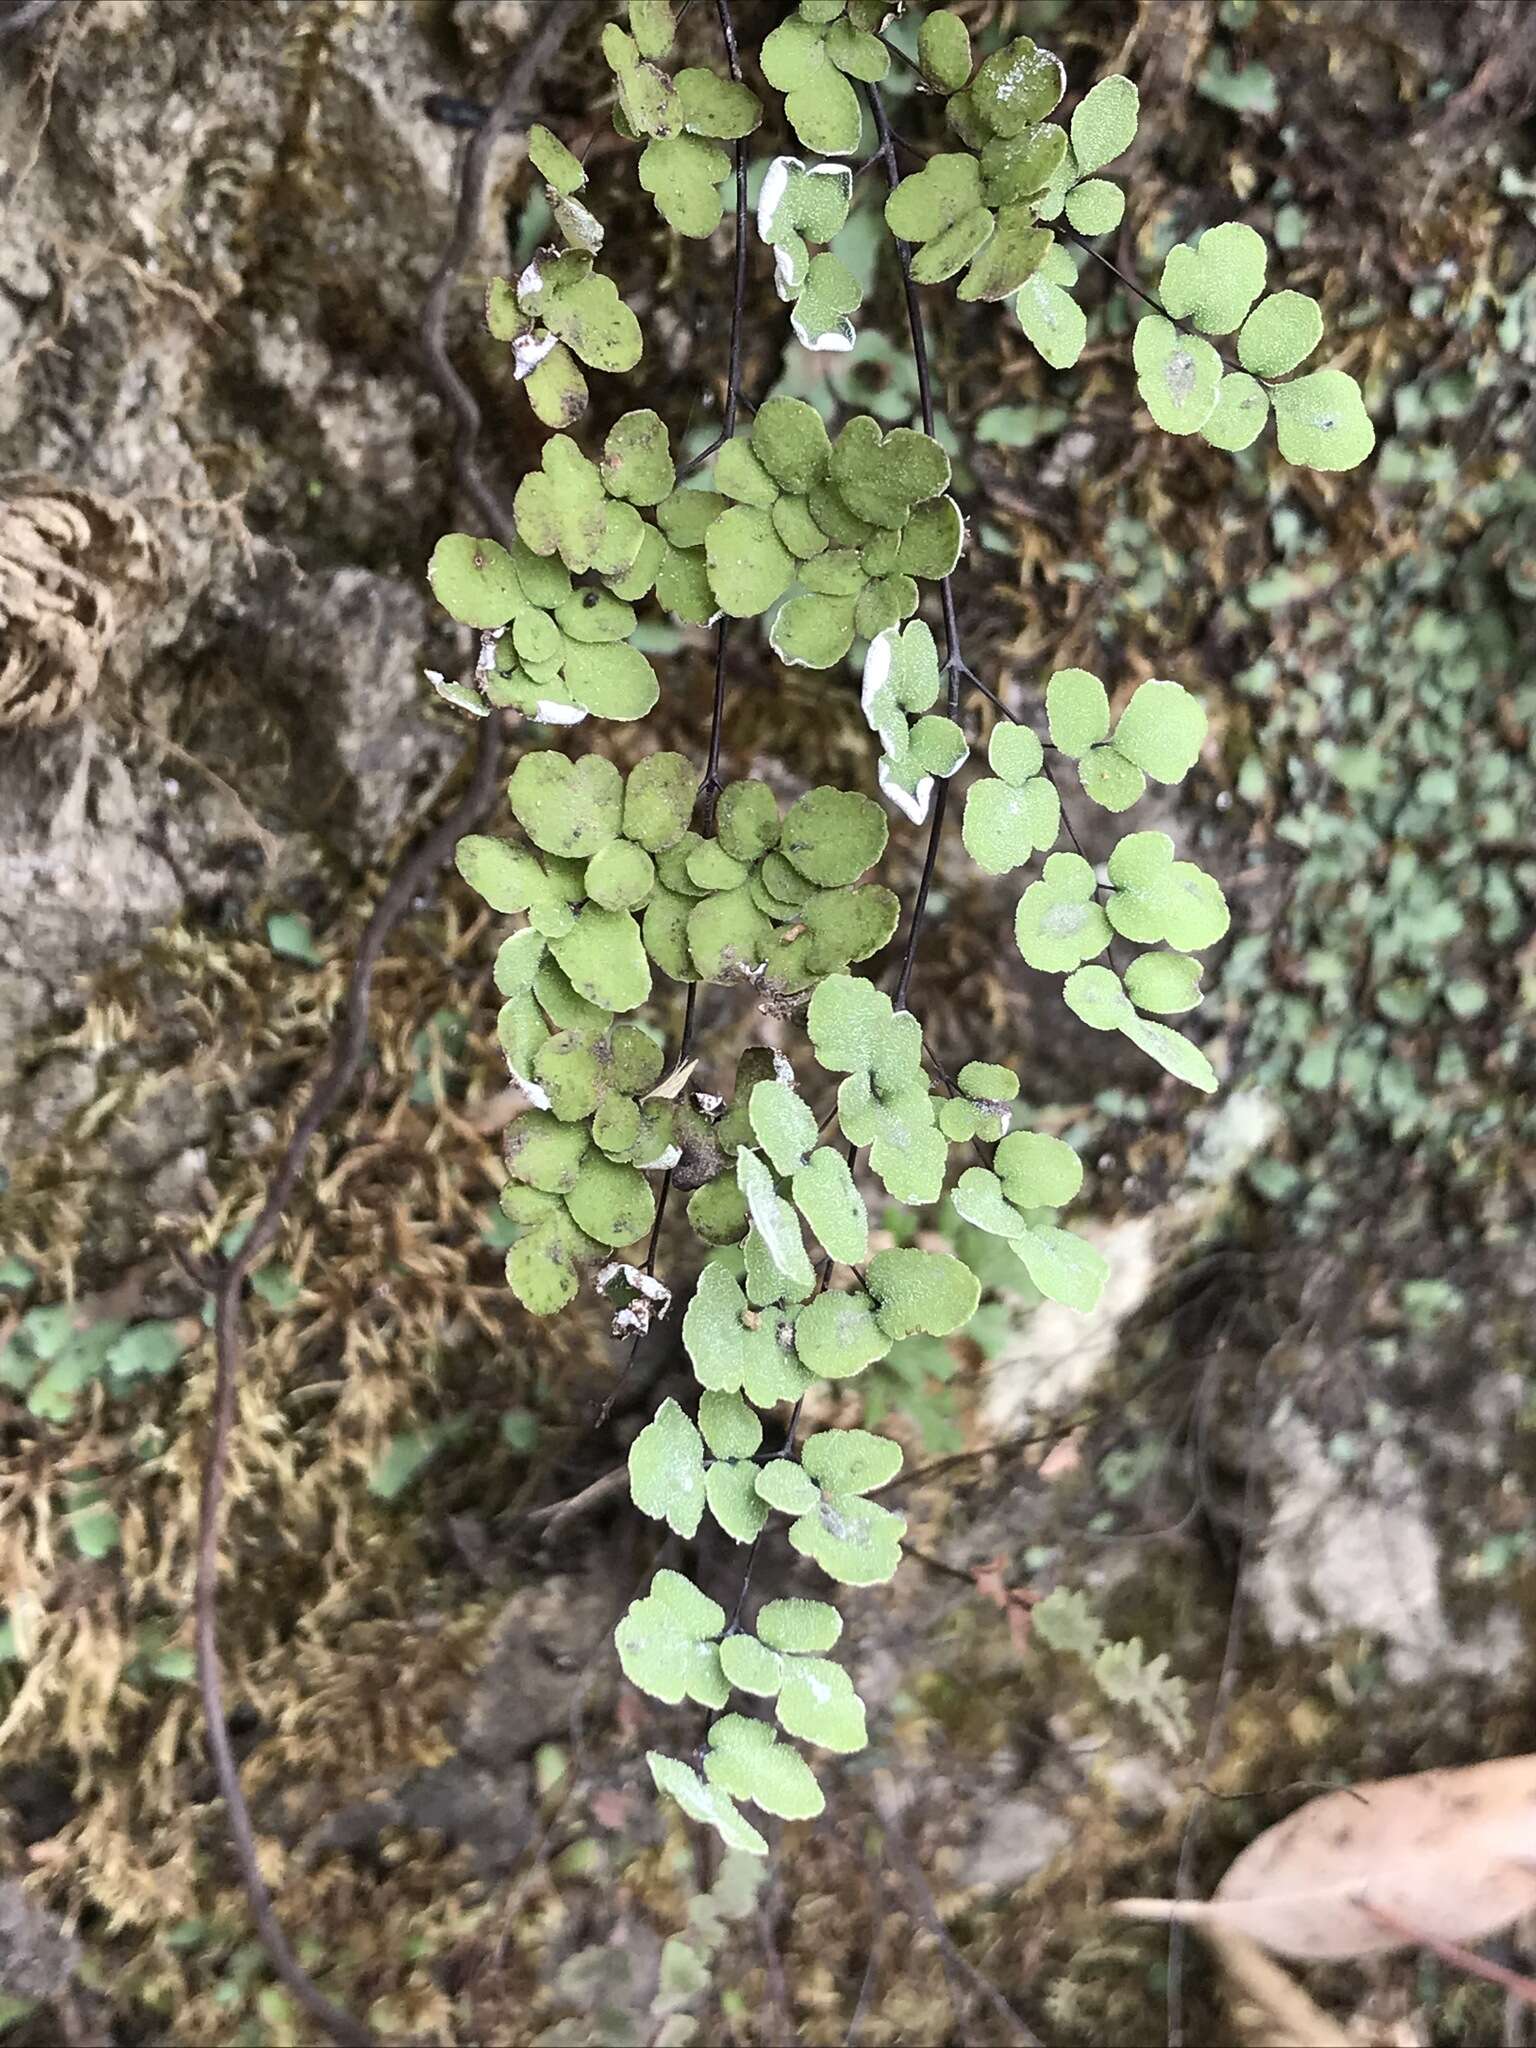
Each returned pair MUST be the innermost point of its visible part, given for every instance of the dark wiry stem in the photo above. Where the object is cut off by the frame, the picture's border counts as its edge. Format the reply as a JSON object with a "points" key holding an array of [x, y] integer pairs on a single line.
{"points": [[732, 405], [954, 661]]}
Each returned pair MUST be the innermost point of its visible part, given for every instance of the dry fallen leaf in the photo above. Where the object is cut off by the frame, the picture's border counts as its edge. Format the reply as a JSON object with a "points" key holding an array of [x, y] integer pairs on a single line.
{"points": [[1444, 1856]]}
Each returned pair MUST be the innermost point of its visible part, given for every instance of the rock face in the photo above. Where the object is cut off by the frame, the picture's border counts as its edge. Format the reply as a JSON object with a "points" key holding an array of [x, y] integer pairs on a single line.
{"points": [[224, 467]]}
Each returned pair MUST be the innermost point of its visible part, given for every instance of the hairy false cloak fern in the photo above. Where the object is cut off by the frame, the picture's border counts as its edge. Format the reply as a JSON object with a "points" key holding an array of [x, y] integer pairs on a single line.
{"points": [[837, 540]]}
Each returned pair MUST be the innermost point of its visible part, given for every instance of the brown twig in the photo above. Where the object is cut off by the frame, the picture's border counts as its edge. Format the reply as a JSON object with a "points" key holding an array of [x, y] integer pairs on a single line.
{"points": [[414, 871], [957, 1965], [1453, 1952], [349, 1046]]}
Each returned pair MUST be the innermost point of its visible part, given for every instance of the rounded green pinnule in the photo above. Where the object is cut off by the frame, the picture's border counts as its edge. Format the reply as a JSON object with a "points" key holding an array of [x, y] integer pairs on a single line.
{"points": [[749, 566], [520, 1031], [683, 174], [715, 106], [651, 24], [659, 796], [566, 1068], [664, 933], [1113, 782], [789, 438], [747, 1760], [929, 202], [1162, 730], [1279, 334], [621, 876], [884, 603], [554, 162], [1012, 256], [616, 1125], [820, 104], [1077, 710], [1321, 421], [828, 295], [545, 1153], [717, 1212], [984, 1081], [850, 1460], [666, 1460], [731, 1490], [1014, 753], [932, 1293], [611, 1202], [730, 1428], [637, 459], [747, 820], [474, 580], [944, 51], [556, 390], [1178, 375], [1017, 86], [544, 1265], [672, 865], [931, 540], [634, 1059], [856, 52], [565, 1009], [785, 1486], [1064, 1266], [818, 1704], [1104, 125], [506, 875], [605, 958], [741, 477], [639, 579], [827, 1196], [728, 936], [881, 477], [1003, 825], [750, 1665], [814, 631], [831, 836], [571, 808], [1096, 207], [595, 618], [612, 681], [1158, 898], [1052, 319], [686, 516], [1058, 924], [842, 925], [1016, 168], [1240, 414], [536, 637], [518, 959], [799, 1627], [1038, 1171], [783, 1124], [836, 1335], [960, 1121], [797, 529], [711, 868], [1215, 282], [708, 1804], [1094, 994], [980, 1197], [1167, 983]]}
